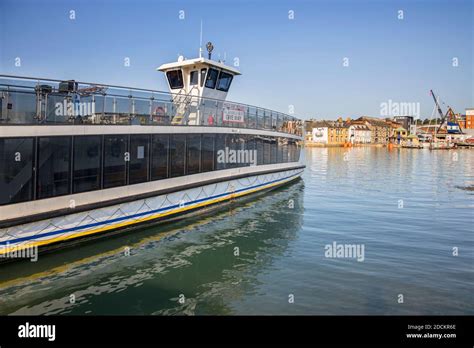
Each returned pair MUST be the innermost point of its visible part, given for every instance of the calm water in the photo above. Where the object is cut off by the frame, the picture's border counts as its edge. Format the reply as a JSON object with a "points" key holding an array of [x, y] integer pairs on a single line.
{"points": [[408, 208]]}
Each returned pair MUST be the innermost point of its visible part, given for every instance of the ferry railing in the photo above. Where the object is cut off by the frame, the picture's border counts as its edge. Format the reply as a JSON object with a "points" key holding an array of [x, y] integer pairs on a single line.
{"points": [[33, 101]]}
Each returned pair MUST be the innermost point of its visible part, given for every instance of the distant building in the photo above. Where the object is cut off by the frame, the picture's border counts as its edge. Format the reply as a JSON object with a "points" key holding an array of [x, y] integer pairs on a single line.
{"points": [[327, 132], [469, 119], [380, 130], [359, 133], [338, 132], [405, 121], [320, 132], [308, 127]]}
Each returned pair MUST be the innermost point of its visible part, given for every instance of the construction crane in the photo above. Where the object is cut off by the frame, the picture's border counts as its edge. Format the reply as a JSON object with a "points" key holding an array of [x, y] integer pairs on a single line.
{"points": [[445, 118]]}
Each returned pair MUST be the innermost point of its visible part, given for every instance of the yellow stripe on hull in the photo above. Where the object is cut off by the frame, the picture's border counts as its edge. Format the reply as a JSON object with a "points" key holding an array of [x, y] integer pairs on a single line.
{"points": [[17, 248]]}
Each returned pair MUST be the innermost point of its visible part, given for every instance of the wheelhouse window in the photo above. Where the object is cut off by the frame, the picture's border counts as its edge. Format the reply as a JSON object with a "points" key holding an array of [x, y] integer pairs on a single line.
{"points": [[16, 169], [224, 81], [87, 163], [212, 78], [115, 165], [203, 76], [159, 159], [138, 166], [175, 79], [54, 160], [177, 154], [194, 78]]}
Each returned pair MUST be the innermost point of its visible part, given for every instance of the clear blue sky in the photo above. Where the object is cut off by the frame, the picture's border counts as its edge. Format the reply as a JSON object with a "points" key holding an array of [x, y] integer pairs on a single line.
{"points": [[284, 62]]}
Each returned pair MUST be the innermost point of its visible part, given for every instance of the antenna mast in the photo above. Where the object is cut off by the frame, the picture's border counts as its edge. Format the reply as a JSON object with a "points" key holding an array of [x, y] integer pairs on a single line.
{"points": [[200, 42]]}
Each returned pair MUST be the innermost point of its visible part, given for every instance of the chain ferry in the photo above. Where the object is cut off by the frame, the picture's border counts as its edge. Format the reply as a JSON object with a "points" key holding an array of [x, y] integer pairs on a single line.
{"points": [[81, 160]]}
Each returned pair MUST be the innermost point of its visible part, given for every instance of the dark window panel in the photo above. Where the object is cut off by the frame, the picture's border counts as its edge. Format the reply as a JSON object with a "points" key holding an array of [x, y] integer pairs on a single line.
{"points": [[175, 79], [203, 76], [266, 151], [193, 144], [293, 151], [207, 152], [193, 78], [231, 145], [297, 152], [273, 150], [138, 166], [211, 78], [260, 151], [251, 146], [241, 154], [220, 151], [224, 81], [87, 163], [280, 142], [284, 150], [115, 166], [177, 154], [53, 166], [159, 160], [16, 170]]}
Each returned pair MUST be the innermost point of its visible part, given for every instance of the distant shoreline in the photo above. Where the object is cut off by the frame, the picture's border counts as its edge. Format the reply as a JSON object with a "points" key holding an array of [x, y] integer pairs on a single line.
{"points": [[311, 144]]}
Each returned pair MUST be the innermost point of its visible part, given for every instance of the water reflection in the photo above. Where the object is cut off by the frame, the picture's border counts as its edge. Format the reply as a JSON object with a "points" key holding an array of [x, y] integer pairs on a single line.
{"points": [[209, 261]]}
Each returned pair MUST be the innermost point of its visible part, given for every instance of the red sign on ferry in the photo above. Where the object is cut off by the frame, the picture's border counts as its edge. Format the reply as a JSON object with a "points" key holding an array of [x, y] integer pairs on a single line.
{"points": [[233, 113]]}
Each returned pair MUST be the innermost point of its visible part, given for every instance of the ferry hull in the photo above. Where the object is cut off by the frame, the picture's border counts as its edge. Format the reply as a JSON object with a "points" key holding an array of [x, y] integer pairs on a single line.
{"points": [[57, 231]]}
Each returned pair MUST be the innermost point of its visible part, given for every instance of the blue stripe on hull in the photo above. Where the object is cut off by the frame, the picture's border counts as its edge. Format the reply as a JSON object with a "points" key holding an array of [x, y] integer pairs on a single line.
{"points": [[22, 239]]}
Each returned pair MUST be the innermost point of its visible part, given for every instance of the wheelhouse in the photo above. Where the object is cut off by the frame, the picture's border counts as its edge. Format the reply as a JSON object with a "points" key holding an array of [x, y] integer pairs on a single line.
{"points": [[199, 78]]}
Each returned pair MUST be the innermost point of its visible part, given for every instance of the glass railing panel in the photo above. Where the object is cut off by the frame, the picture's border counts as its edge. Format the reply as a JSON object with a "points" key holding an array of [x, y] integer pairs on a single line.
{"points": [[260, 118], [140, 111], [266, 119], [19, 108], [161, 112], [100, 104]]}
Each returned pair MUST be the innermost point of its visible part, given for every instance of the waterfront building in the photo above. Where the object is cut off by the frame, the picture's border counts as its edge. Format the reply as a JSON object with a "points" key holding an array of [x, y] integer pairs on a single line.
{"points": [[320, 132], [469, 119], [404, 121], [338, 132], [359, 133], [380, 130], [308, 128]]}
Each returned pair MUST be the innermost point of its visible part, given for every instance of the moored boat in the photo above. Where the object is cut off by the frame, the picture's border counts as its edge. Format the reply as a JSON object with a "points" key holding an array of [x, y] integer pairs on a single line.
{"points": [[442, 145], [81, 159]]}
